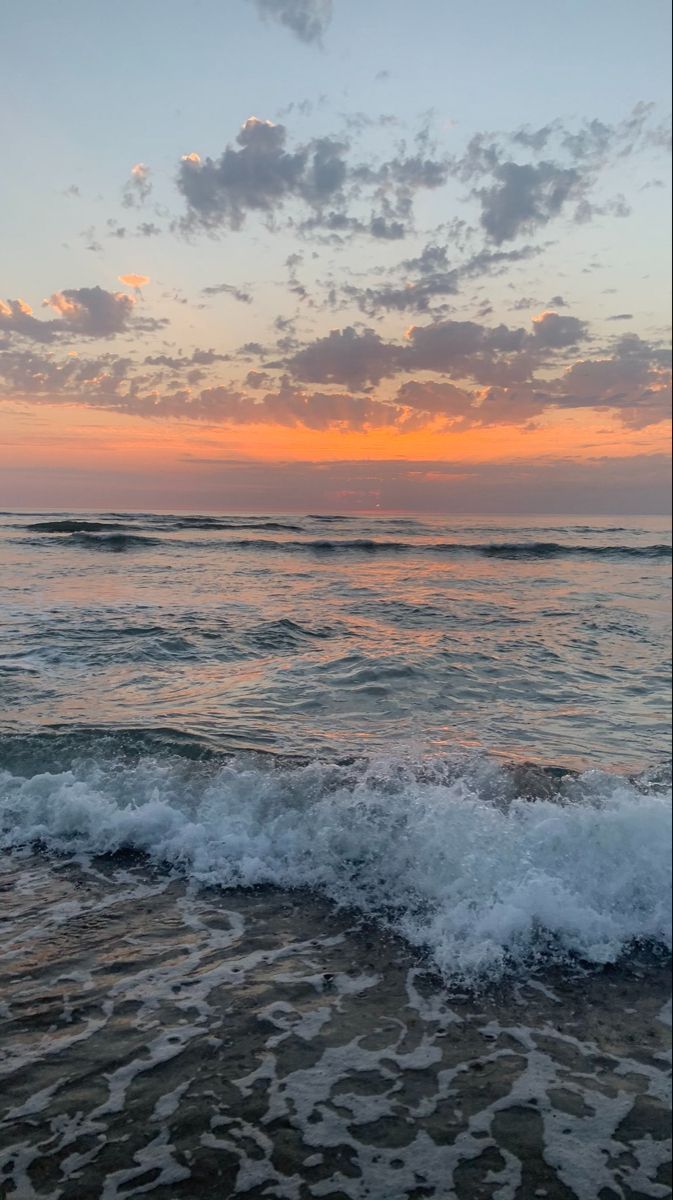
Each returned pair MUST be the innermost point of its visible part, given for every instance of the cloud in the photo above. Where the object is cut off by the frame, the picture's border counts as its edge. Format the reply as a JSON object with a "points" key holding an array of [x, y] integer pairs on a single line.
{"points": [[227, 289], [40, 375], [468, 350], [454, 375], [524, 197], [421, 284], [17, 317], [307, 19], [295, 407], [635, 381], [460, 349], [438, 398], [82, 312], [347, 357], [138, 187], [199, 358], [261, 174], [424, 279], [134, 281], [555, 331], [92, 312], [520, 197], [632, 381]]}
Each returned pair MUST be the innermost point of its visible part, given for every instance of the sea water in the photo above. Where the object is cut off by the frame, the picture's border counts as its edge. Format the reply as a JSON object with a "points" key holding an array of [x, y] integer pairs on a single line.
{"points": [[336, 854]]}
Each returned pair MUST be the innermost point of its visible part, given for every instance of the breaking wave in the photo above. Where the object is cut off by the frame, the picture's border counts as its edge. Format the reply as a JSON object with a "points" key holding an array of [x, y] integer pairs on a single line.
{"points": [[478, 870]]}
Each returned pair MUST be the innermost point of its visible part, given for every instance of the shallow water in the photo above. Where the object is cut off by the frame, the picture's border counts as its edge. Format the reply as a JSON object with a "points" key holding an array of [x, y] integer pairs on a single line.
{"points": [[336, 856], [183, 1043]]}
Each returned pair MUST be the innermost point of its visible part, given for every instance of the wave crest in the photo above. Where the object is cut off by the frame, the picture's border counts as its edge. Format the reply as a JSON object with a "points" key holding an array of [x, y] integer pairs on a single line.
{"points": [[459, 862]]}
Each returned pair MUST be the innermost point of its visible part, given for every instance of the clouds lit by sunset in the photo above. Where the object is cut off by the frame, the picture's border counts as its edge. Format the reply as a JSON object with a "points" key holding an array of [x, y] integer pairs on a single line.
{"points": [[417, 277]]}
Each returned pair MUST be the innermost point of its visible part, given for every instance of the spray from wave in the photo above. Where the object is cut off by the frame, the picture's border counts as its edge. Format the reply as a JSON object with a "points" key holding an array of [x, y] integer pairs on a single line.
{"points": [[458, 861]]}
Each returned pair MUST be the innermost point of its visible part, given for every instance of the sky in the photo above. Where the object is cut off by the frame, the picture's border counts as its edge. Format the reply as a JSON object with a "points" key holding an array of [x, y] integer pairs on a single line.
{"points": [[322, 255]]}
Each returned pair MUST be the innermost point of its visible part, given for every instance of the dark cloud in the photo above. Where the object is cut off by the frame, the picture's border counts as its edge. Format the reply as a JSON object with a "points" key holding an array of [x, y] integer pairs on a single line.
{"points": [[261, 174], [38, 374], [466, 374], [437, 398], [138, 187], [307, 19], [620, 317], [461, 349], [635, 381], [227, 289], [82, 312], [93, 312], [519, 197], [347, 357], [496, 262], [201, 358], [390, 231], [421, 284], [525, 197], [414, 296], [17, 317], [468, 350], [555, 331]]}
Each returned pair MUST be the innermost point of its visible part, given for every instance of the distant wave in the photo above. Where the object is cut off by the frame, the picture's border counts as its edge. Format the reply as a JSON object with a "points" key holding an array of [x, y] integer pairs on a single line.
{"points": [[509, 550], [75, 525], [109, 536], [215, 523], [462, 861], [115, 543]]}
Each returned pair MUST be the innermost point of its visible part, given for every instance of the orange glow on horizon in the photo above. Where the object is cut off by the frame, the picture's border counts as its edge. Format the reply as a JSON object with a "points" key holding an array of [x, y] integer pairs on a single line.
{"points": [[88, 438]]}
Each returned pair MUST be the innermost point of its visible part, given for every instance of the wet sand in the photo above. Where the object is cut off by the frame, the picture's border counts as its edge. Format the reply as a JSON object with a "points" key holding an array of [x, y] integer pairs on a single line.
{"points": [[167, 1041]]}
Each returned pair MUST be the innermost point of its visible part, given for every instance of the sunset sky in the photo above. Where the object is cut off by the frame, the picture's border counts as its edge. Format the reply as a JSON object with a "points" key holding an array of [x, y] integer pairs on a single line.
{"points": [[302, 255]]}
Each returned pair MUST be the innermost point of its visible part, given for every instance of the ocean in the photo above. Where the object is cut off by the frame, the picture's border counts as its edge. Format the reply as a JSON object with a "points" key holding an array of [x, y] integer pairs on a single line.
{"points": [[335, 856]]}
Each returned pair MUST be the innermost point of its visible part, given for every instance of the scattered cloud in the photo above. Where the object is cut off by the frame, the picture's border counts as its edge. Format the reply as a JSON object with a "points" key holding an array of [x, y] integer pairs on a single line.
{"points": [[90, 312], [261, 174], [345, 356], [138, 187], [227, 289], [555, 331], [307, 19], [324, 387], [519, 197]]}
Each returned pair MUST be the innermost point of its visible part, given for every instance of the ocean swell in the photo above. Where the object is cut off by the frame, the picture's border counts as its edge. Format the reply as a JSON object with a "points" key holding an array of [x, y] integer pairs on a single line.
{"points": [[506, 550], [480, 877]]}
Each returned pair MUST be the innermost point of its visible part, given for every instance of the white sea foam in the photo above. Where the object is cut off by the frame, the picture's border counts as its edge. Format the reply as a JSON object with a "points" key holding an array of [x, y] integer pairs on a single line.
{"points": [[479, 882]]}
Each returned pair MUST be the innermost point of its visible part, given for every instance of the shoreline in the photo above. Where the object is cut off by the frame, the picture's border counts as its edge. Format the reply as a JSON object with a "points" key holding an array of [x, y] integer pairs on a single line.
{"points": [[167, 1040]]}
